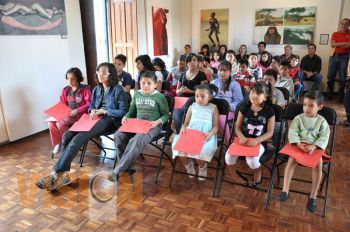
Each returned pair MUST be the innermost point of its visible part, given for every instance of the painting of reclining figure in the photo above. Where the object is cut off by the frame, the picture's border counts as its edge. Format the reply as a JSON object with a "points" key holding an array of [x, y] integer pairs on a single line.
{"points": [[32, 17]]}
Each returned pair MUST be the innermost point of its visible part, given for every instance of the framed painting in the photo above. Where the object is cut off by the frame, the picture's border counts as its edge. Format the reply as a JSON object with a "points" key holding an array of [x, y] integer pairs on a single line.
{"points": [[32, 17]]}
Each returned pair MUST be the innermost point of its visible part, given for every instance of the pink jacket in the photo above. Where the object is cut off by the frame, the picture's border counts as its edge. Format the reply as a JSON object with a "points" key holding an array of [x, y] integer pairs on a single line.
{"points": [[82, 97]]}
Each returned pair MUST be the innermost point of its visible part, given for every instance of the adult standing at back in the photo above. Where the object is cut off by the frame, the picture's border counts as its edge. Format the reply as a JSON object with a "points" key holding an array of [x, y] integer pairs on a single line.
{"points": [[310, 66], [338, 61]]}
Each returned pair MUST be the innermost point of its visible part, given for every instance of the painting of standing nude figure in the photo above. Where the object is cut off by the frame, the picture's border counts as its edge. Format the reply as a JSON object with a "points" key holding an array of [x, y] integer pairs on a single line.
{"points": [[214, 27], [32, 17], [160, 33]]}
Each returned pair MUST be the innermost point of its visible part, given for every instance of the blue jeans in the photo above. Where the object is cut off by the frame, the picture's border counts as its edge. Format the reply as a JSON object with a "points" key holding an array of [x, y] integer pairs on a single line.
{"points": [[72, 141], [337, 63], [347, 102], [297, 89], [178, 115], [316, 78]]}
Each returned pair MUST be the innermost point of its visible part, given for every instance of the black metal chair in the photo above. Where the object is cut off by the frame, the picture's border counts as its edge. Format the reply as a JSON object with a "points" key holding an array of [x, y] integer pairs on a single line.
{"points": [[272, 147], [165, 134], [224, 109], [108, 135], [291, 112], [285, 93]]}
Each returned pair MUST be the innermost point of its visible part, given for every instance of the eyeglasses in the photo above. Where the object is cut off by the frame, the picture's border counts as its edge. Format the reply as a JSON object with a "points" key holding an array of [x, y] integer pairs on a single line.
{"points": [[101, 74]]}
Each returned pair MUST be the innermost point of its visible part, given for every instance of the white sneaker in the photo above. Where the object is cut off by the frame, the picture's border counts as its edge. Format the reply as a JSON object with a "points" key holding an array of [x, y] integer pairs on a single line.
{"points": [[190, 168], [202, 172], [56, 149], [53, 175]]}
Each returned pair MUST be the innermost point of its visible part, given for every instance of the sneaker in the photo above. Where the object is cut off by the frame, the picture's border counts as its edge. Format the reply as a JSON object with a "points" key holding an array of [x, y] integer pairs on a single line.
{"points": [[190, 168], [113, 177], [283, 196], [347, 123], [56, 149], [63, 179], [311, 205], [202, 172], [44, 182], [256, 185]]}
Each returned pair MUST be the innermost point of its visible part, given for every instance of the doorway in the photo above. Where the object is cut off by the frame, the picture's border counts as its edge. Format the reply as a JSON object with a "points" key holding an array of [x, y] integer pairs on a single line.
{"points": [[122, 31]]}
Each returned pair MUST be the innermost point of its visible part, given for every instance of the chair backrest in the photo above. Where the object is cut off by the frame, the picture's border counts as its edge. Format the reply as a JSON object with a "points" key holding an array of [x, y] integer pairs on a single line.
{"points": [[293, 110], [171, 102], [222, 105], [285, 93], [280, 128]]}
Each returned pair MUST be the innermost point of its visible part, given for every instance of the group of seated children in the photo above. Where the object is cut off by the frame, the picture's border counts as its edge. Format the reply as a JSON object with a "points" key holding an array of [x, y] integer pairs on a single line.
{"points": [[256, 65], [254, 125]]}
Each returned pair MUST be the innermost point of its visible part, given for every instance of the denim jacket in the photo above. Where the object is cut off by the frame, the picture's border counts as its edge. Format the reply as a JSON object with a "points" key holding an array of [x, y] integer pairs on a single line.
{"points": [[116, 100]]}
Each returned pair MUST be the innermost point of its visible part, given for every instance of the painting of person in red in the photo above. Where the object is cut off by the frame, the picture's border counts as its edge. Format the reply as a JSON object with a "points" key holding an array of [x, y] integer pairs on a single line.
{"points": [[160, 34]]}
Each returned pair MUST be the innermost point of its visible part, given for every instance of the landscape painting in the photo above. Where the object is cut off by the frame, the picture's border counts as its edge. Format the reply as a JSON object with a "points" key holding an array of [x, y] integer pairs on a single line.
{"points": [[269, 17], [295, 25], [299, 16], [298, 35]]}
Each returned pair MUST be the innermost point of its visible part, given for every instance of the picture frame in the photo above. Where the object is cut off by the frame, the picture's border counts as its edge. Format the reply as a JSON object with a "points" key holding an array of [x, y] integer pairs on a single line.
{"points": [[324, 39]]}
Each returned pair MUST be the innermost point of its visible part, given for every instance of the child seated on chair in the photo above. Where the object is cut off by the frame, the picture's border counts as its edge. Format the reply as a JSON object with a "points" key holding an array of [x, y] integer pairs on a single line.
{"points": [[295, 74], [125, 78], [284, 80], [176, 73], [147, 104], [254, 125], [308, 131], [202, 116], [243, 77]]}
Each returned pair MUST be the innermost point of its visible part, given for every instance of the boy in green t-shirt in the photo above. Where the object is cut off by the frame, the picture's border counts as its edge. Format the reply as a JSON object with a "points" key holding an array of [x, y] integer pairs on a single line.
{"points": [[308, 131], [147, 104]]}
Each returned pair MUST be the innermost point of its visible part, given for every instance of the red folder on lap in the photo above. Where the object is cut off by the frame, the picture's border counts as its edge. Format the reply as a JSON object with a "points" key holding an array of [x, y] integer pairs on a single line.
{"points": [[85, 123], [135, 125], [302, 157], [58, 111], [180, 102], [191, 142], [237, 149]]}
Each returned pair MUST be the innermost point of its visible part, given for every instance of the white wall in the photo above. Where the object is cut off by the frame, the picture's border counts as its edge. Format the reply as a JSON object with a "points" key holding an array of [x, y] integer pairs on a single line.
{"points": [[3, 130], [32, 73], [346, 9], [241, 23], [178, 27]]}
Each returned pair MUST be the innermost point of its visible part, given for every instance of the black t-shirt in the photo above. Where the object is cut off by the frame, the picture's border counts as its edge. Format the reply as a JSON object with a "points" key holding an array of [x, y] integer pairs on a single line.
{"points": [[191, 84], [255, 126], [125, 78]]}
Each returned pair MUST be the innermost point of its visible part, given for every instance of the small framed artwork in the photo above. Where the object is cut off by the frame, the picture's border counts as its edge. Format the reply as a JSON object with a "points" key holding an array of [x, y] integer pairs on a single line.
{"points": [[324, 39]]}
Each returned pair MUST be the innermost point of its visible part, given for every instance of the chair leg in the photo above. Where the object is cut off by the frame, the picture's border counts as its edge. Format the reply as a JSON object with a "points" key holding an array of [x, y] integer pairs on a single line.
{"points": [[216, 180], [82, 156], [172, 173], [322, 182], [326, 190], [270, 189], [220, 180], [104, 156], [116, 160], [160, 161]]}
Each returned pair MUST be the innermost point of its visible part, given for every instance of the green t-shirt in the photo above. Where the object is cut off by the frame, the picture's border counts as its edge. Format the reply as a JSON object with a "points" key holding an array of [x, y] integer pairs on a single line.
{"points": [[310, 130], [149, 107]]}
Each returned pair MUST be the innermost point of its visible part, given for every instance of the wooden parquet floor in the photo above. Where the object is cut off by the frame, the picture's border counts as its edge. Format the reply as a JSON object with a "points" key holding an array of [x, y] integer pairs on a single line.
{"points": [[145, 206]]}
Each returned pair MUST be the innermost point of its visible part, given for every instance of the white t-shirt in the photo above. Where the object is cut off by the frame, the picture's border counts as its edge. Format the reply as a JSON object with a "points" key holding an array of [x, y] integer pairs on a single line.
{"points": [[256, 72]]}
